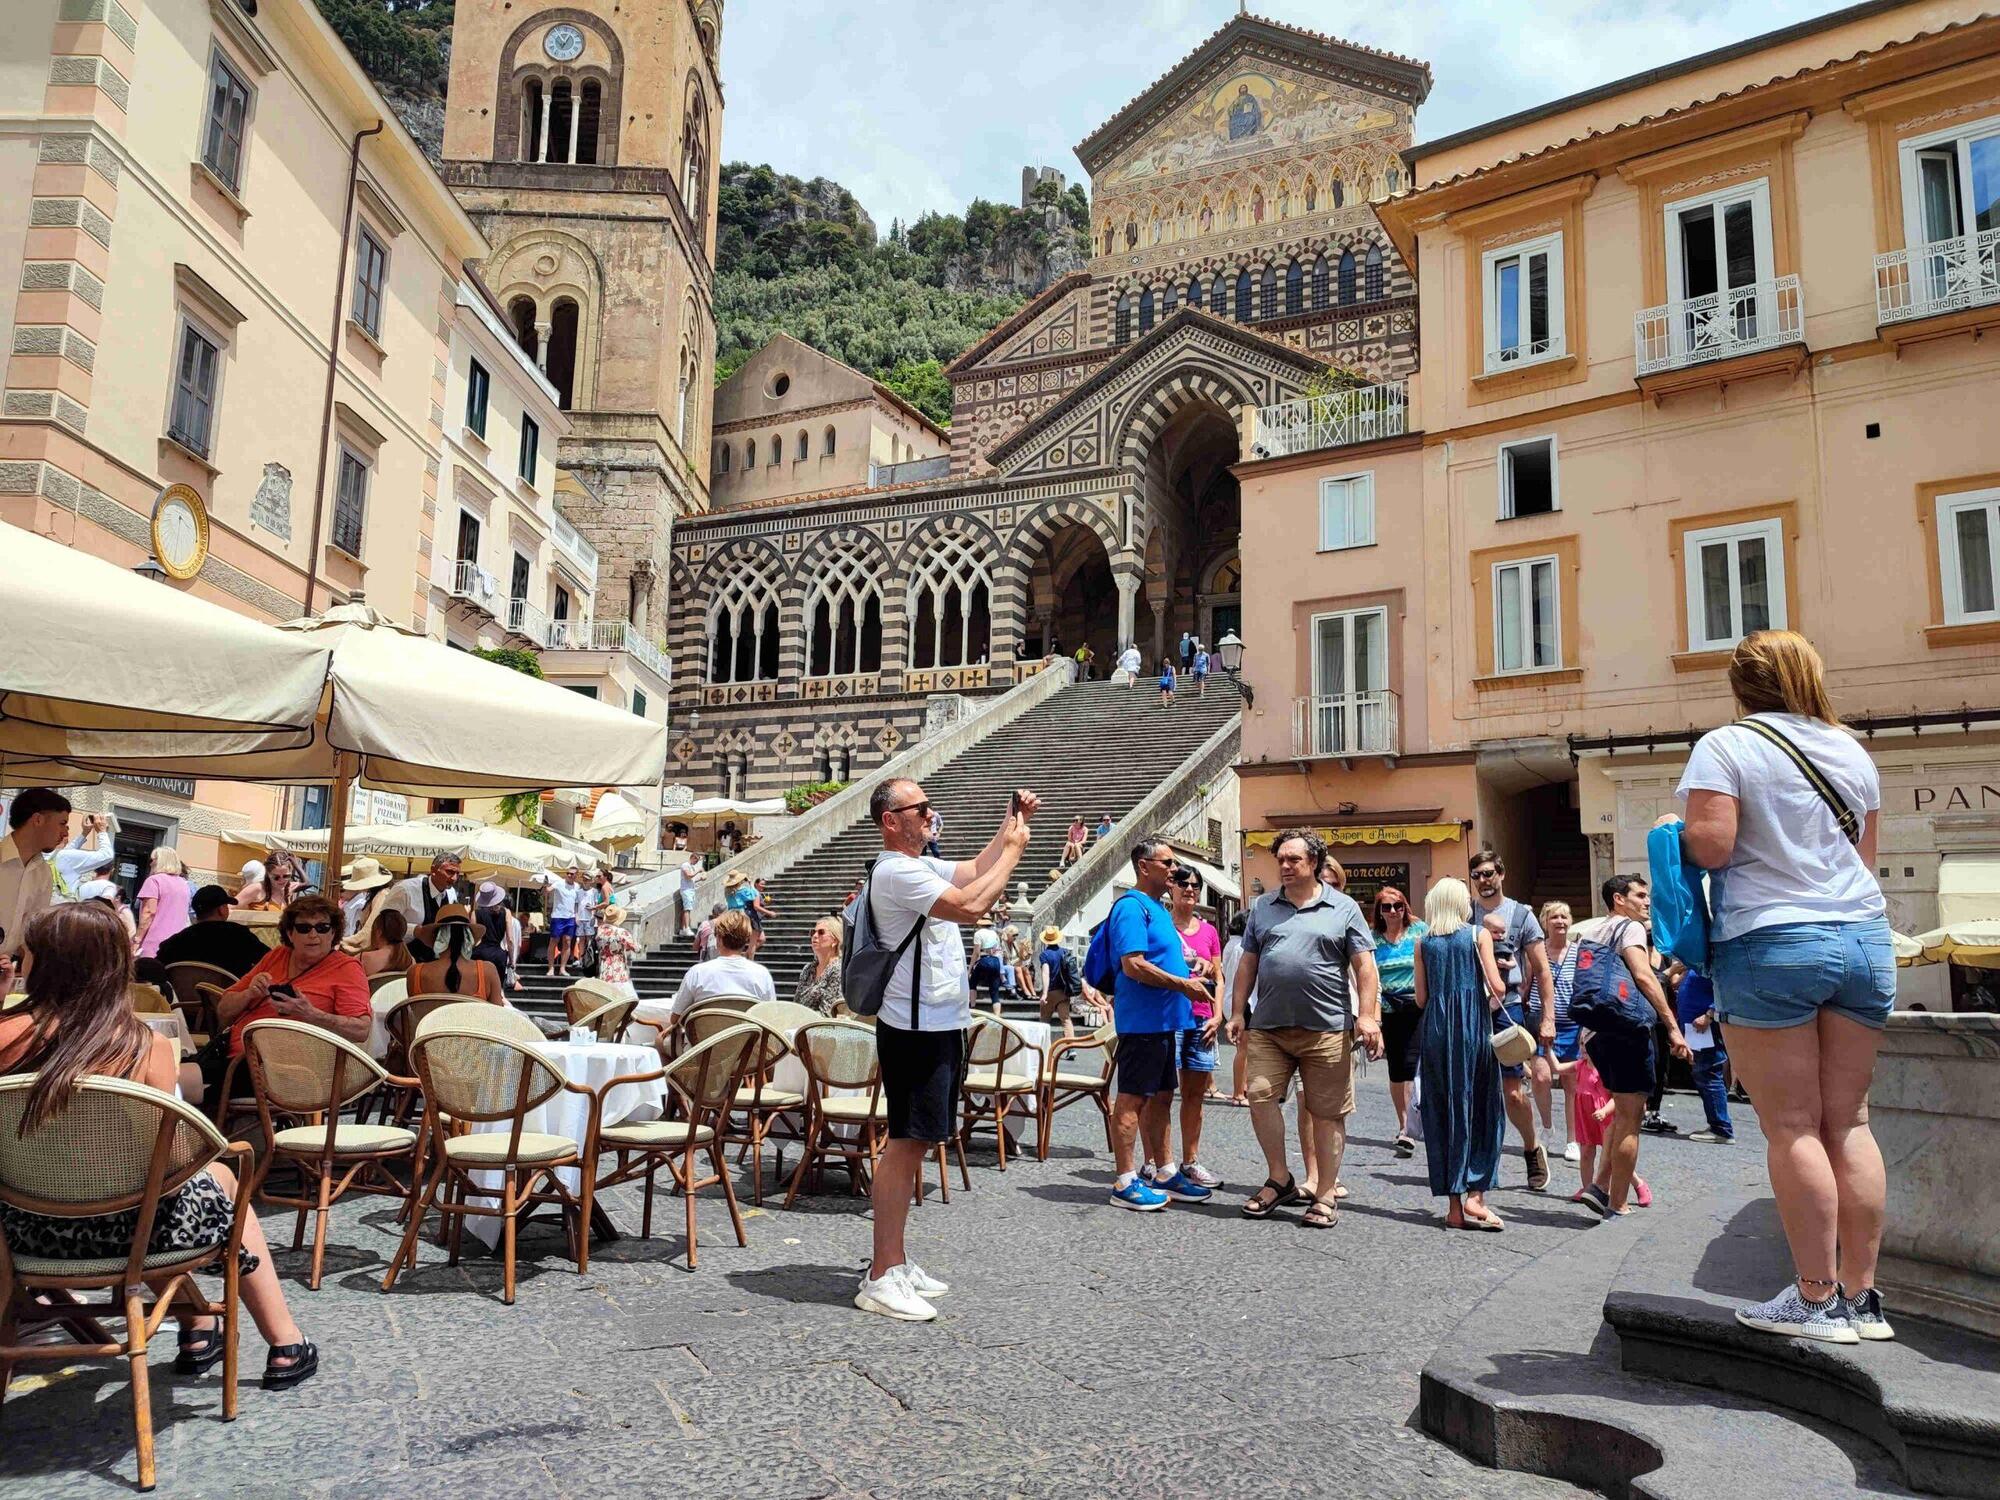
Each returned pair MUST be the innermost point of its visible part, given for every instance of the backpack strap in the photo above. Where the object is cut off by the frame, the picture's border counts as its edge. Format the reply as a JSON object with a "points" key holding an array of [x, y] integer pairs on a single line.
{"points": [[1843, 815], [909, 941]]}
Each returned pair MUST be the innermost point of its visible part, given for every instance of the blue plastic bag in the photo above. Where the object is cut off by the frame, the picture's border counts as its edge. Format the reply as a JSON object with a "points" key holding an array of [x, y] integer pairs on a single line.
{"points": [[1680, 898]]}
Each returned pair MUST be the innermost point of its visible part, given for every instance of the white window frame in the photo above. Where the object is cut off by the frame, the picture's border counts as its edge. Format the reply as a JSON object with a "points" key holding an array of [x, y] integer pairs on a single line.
{"points": [[1380, 659], [1357, 503], [1757, 193], [1550, 245], [1504, 477], [1526, 566], [1771, 532], [1962, 136], [1949, 575]]}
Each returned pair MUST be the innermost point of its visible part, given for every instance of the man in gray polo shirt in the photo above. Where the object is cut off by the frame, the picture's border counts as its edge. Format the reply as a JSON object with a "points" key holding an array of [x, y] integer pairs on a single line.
{"points": [[1310, 956]]}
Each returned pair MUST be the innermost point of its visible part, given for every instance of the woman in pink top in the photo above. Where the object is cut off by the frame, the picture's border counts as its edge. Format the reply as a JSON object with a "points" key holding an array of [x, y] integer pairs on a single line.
{"points": [[163, 902], [1202, 946]]}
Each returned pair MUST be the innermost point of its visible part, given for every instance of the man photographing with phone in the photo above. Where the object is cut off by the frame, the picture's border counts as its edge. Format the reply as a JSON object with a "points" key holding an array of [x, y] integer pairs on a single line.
{"points": [[920, 1031]]}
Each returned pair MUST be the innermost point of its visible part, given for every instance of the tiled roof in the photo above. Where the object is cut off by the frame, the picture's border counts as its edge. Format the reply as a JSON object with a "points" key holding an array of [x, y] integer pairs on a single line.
{"points": [[1417, 153], [1214, 41]]}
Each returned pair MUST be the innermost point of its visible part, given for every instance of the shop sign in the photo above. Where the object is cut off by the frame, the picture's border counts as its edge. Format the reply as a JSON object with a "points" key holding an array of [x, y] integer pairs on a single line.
{"points": [[1963, 797], [173, 786], [1363, 881]]}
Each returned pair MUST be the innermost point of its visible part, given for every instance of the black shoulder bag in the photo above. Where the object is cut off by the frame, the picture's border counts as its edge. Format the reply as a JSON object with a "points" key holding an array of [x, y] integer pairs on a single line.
{"points": [[866, 963], [1843, 815]]}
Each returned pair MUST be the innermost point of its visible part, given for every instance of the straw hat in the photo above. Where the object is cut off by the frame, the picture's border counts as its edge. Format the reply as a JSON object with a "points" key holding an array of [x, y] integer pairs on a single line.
{"points": [[614, 914], [1051, 936], [364, 874], [458, 911], [735, 878]]}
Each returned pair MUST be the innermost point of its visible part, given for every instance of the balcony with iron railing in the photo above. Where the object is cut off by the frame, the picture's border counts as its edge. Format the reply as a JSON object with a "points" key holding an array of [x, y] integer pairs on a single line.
{"points": [[1722, 325], [1334, 420], [1945, 276], [527, 622], [610, 635], [467, 585], [1346, 725]]}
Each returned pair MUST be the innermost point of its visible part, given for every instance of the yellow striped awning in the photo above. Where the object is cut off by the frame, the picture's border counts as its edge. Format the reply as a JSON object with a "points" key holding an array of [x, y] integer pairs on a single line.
{"points": [[1372, 833]]}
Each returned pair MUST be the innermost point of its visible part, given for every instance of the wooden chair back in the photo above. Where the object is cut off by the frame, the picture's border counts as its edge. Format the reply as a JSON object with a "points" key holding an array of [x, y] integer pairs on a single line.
{"points": [[298, 1069], [585, 996], [607, 1021], [186, 980], [148, 1001]]}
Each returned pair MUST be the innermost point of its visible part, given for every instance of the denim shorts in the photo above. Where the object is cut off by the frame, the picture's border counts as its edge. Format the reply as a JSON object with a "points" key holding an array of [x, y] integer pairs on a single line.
{"points": [[1775, 977], [1569, 1043], [1195, 1057]]}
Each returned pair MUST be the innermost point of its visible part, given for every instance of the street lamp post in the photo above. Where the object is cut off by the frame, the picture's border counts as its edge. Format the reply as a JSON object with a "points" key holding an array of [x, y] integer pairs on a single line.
{"points": [[1229, 651]]}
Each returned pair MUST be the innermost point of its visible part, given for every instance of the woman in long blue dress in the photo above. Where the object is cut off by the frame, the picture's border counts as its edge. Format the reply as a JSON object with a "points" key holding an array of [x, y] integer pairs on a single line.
{"points": [[1464, 1120]]}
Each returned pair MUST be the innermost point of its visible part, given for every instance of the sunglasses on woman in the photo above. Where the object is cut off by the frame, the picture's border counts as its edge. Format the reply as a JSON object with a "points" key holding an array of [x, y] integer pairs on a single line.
{"points": [[312, 926], [1390, 906]]}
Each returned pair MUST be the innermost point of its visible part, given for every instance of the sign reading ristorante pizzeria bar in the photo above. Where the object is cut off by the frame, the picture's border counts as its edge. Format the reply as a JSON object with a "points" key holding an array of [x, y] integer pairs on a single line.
{"points": [[173, 786]]}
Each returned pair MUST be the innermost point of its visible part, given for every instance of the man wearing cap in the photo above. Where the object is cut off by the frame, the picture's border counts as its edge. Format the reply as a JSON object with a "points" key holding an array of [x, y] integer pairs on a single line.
{"points": [[212, 938], [420, 898]]}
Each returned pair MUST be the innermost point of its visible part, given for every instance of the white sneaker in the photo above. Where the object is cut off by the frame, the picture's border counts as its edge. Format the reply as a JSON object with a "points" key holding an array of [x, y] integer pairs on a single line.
{"points": [[1202, 1175], [1146, 1171], [922, 1282], [892, 1297], [1573, 1152]]}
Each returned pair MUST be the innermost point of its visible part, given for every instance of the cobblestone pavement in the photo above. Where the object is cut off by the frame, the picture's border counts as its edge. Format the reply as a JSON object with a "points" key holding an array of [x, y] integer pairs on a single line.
{"points": [[1083, 1351]]}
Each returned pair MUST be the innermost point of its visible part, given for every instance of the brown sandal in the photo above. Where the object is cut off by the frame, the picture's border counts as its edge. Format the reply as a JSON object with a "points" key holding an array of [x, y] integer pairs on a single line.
{"points": [[1285, 1194], [1322, 1214]]}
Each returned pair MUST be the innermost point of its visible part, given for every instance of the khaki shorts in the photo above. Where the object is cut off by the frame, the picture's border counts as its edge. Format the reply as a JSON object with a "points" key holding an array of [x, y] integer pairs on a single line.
{"points": [[1324, 1061]]}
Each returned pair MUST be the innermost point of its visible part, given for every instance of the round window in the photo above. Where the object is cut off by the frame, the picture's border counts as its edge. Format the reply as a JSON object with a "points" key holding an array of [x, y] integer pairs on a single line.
{"points": [[780, 383]]}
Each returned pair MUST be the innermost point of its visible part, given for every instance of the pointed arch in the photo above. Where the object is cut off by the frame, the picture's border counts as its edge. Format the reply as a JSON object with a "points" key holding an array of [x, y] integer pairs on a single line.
{"points": [[742, 618], [948, 606]]}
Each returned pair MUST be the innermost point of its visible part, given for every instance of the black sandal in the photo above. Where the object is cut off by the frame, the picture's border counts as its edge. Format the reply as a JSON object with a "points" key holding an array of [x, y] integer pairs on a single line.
{"points": [[1287, 1194], [304, 1357], [1321, 1215], [200, 1350]]}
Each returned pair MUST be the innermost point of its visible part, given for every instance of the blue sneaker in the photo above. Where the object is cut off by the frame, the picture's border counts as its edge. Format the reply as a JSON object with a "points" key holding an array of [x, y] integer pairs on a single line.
{"points": [[1140, 1196], [1184, 1188]]}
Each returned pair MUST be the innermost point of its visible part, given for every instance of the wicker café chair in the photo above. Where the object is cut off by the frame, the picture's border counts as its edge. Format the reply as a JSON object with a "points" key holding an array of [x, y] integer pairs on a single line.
{"points": [[993, 1089], [608, 1022], [380, 982], [704, 1079], [401, 1022], [1065, 1083], [148, 1001], [186, 980], [731, 1005], [758, 1102], [476, 1068], [840, 1055], [587, 995], [302, 1070], [118, 1147]]}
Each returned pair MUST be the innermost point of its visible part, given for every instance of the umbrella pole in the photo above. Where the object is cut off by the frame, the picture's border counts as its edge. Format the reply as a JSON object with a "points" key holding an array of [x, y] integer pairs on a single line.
{"points": [[336, 834]]}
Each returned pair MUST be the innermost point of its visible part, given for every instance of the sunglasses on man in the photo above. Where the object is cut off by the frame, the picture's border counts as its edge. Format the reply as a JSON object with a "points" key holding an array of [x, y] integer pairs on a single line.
{"points": [[922, 807]]}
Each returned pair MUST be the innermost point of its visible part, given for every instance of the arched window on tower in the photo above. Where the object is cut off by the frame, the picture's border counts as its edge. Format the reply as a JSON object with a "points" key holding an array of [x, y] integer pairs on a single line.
{"points": [[562, 120], [1128, 305], [589, 116], [1194, 291], [826, 451], [1268, 303], [531, 120], [681, 397], [804, 446], [560, 366], [1319, 283], [694, 164], [1295, 289], [522, 313], [1372, 277], [1243, 294], [1346, 277], [948, 606], [722, 453], [743, 628], [844, 618], [1145, 312]]}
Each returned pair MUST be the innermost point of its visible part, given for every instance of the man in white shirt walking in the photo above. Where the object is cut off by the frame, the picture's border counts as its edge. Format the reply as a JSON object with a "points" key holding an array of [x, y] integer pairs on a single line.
{"points": [[690, 877], [920, 1033]]}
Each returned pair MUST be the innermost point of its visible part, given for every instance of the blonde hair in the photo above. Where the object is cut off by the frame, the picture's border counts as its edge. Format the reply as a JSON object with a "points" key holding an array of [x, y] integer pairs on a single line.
{"points": [[1447, 907], [167, 860], [1550, 908], [1777, 671]]}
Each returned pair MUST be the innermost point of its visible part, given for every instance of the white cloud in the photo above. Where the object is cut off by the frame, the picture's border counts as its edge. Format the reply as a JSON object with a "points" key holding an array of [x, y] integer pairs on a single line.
{"points": [[916, 106]]}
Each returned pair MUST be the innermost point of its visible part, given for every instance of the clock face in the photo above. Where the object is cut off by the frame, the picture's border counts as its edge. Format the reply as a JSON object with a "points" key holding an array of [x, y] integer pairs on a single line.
{"points": [[563, 42], [180, 533]]}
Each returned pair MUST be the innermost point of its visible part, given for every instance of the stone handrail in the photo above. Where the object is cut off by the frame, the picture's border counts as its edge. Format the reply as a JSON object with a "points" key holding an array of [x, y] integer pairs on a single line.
{"points": [[812, 830], [1066, 897]]}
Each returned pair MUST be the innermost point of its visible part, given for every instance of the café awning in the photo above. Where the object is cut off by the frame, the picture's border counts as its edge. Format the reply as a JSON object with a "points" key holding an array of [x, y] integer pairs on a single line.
{"points": [[1365, 833], [1968, 888]]}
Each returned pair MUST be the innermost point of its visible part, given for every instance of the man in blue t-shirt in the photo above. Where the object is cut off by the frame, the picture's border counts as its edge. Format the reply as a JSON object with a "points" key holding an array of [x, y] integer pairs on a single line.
{"points": [[1152, 1005]]}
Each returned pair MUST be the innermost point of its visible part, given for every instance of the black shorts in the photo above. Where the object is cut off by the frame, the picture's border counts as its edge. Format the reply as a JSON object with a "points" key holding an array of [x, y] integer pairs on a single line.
{"points": [[922, 1075], [1148, 1062], [1402, 1029], [1623, 1059]]}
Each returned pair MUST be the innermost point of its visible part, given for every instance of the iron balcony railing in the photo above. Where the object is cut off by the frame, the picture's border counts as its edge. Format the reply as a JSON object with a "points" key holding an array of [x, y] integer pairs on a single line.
{"points": [[1332, 421], [1342, 724], [610, 635], [524, 620], [1721, 325], [1942, 277], [476, 588]]}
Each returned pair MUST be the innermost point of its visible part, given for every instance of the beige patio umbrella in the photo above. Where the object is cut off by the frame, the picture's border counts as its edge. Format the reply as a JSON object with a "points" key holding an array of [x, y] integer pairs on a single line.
{"points": [[403, 713], [486, 852], [96, 661], [1975, 945], [1907, 949], [616, 824]]}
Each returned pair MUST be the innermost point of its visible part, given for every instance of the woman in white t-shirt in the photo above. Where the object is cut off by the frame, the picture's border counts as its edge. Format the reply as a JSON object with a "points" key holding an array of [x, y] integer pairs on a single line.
{"points": [[1803, 970]]}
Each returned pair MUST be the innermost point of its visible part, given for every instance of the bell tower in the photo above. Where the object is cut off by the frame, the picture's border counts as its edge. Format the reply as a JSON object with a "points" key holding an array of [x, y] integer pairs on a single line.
{"points": [[581, 137]]}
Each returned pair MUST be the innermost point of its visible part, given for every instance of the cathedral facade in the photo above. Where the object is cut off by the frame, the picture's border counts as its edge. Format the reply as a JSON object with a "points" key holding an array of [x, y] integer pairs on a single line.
{"points": [[581, 138]]}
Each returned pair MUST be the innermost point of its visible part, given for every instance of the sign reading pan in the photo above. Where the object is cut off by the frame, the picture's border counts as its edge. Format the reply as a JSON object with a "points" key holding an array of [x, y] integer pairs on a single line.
{"points": [[1982, 797]]}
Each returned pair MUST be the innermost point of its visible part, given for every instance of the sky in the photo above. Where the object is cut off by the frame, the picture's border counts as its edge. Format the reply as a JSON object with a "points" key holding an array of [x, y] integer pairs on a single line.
{"points": [[918, 105]]}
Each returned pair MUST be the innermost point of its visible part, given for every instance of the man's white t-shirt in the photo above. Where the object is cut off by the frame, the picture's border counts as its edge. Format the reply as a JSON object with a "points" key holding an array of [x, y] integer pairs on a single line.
{"points": [[901, 891], [731, 974], [1130, 661], [562, 900], [1791, 862]]}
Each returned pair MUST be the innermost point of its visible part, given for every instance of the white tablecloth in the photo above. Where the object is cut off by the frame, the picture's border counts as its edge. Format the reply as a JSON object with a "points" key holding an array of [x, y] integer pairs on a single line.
{"points": [[378, 1030], [590, 1065]]}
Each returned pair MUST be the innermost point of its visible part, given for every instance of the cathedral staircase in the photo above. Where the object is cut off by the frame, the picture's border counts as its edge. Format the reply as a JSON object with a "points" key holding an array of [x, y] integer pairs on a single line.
{"points": [[1089, 749]]}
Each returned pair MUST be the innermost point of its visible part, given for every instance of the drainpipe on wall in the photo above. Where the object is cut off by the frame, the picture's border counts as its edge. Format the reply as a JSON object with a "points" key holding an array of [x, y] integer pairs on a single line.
{"points": [[333, 357]]}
